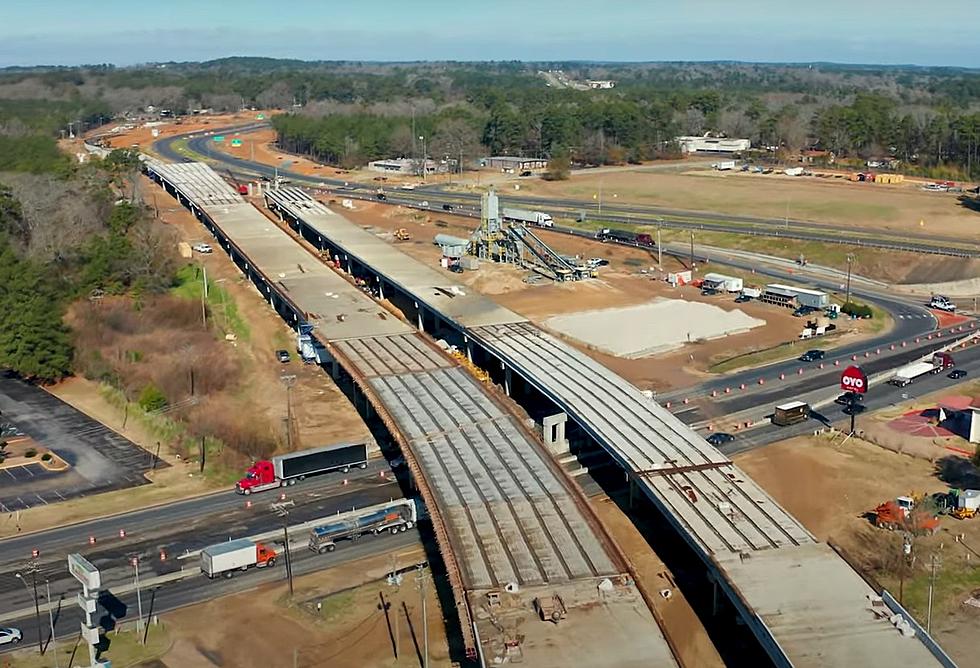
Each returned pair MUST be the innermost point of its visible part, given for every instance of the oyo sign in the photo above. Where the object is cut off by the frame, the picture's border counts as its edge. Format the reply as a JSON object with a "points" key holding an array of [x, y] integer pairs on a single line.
{"points": [[854, 380]]}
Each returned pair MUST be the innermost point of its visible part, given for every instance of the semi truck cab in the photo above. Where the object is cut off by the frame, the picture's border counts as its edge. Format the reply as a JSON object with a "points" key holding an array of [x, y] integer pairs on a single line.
{"points": [[259, 477]]}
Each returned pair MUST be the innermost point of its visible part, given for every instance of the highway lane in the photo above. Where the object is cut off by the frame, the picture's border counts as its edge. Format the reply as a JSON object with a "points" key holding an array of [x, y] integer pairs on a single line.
{"points": [[879, 396], [121, 608], [159, 540], [70, 536], [615, 213]]}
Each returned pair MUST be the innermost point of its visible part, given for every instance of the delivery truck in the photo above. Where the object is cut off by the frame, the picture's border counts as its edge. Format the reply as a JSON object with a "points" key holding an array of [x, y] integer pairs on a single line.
{"points": [[393, 517], [910, 372], [288, 469], [791, 413], [235, 555], [527, 217]]}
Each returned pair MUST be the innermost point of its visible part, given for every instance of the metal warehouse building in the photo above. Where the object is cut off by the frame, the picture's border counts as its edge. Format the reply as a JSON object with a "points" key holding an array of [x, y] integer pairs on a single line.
{"points": [[513, 163], [712, 144], [790, 295]]}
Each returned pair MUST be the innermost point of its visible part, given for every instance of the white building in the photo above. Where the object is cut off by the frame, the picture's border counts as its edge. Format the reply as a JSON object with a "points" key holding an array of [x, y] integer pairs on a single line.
{"points": [[707, 144], [404, 166], [600, 83]]}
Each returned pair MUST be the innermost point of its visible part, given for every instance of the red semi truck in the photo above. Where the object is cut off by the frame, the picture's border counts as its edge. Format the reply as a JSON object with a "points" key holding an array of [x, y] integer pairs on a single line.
{"points": [[287, 469]]}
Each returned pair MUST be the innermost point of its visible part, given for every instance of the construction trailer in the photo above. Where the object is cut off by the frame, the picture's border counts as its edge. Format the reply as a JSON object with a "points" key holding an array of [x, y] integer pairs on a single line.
{"points": [[802, 296], [722, 283], [513, 242]]}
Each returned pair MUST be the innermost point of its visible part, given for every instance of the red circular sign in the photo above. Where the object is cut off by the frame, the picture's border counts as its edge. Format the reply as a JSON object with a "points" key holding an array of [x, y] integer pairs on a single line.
{"points": [[854, 380]]}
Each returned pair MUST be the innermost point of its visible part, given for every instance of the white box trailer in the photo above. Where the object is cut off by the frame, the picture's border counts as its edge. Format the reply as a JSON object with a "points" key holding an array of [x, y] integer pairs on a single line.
{"points": [[910, 372], [723, 282], [752, 293], [235, 555], [527, 217]]}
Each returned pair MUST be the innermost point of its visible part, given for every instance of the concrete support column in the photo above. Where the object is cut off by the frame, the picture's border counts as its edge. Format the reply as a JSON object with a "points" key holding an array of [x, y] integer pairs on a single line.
{"points": [[418, 310], [552, 430], [507, 380], [469, 348], [381, 288], [334, 369], [632, 486]]}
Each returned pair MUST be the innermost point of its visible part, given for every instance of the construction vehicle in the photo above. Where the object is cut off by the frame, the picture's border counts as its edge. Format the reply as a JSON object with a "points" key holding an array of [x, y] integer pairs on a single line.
{"points": [[401, 234], [393, 517], [288, 469], [967, 504], [240, 187], [551, 608], [791, 413], [903, 514], [235, 555]]}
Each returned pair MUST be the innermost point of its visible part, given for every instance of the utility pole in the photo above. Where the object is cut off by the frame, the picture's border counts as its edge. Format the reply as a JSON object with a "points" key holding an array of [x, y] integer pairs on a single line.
{"points": [[425, 618], [204, 296], [422, 139], [280, 509], [47, 589], [139, 597], [847, 294], [289, 380], [32, 568], [660, 248], [936, 561], [692, 250]]}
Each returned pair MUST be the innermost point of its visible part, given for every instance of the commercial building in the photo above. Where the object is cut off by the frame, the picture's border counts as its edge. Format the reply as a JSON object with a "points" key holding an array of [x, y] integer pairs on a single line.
{"points": [[708, 144], [405, 166], [508, 163]]}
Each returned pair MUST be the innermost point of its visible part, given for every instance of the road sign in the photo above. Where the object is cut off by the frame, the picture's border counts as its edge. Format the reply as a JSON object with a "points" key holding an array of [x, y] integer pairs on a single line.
{"points": [[236, 142], [854, 380], [82, 570], [219, 138]]}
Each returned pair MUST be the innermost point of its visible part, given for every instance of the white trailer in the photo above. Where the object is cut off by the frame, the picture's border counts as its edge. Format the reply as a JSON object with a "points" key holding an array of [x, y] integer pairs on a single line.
{"points": [[752, 293], [235, 555], [527, 217], [723, 282], [793, 171], [725, 165], [910, 372]]}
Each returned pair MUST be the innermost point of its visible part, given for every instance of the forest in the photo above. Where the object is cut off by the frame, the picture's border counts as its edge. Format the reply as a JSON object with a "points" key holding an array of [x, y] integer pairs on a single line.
{"points": [[347, 113]]}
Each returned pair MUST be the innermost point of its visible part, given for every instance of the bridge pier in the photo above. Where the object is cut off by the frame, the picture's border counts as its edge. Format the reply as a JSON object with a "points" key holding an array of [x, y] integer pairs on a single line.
{"points": [[552, 428]]}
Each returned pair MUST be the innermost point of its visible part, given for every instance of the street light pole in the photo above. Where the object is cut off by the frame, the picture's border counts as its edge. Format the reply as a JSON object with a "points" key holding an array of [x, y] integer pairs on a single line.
{"points": [[422, 139], [139, 597], [847, 294], [47, 590], [32, 569]]}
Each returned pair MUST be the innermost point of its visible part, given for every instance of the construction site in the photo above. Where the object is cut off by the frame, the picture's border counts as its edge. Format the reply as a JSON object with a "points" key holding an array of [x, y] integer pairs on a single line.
{"points": [[743, 539]]}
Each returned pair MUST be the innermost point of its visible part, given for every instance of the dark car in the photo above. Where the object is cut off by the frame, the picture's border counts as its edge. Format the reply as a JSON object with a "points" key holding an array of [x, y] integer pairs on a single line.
{"points": [[447, 207], [720, 438], [803, 310], [741, 299], [708, 292], [847, 397], [956, 374], [381, 196], [812, 356], [282, 356], [456, 268]]}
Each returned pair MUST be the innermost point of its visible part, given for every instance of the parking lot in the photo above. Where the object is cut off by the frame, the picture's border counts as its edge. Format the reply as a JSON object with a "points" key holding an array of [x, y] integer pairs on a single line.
{"points": [[100, 459]]}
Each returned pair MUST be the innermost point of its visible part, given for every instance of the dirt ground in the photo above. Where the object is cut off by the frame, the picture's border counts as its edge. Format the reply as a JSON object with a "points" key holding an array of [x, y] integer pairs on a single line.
{"points": [[675, 615], [631, 278], [896, 208], [829, 487], [348, 630], [322, 414]]}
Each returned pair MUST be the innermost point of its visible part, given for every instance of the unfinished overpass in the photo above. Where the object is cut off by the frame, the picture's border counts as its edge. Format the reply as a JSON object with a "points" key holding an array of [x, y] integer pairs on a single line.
{"points": [[803, 602], [509, 524]]}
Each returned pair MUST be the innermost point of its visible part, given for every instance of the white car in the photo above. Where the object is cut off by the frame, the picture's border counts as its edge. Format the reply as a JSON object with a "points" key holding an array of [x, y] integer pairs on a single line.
{"points": [[202, 248], [10, 636]]}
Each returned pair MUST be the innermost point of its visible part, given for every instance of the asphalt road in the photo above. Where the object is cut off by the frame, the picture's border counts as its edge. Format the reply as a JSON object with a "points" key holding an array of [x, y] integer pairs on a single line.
{"points": [[879, 396], [100, 458], [159, 535], [614, 213], [122, 608]]}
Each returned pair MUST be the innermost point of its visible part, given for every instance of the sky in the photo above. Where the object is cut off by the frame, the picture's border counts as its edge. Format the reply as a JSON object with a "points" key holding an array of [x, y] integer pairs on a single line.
{"points": [[58, 32]]}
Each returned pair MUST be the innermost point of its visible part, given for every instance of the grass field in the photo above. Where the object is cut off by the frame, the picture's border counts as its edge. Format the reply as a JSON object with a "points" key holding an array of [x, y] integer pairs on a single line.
{"points": [[903, 208], [190, 284]]}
